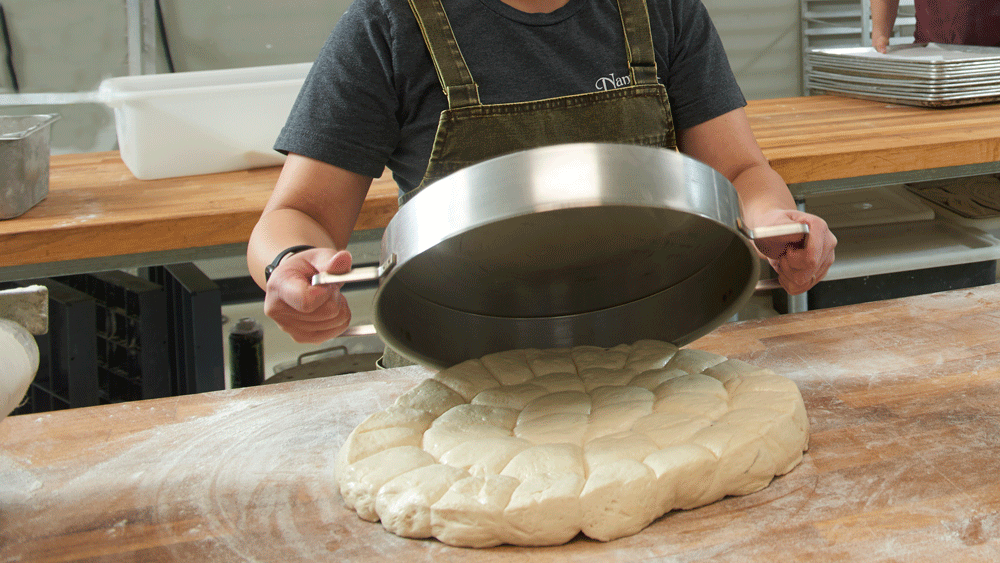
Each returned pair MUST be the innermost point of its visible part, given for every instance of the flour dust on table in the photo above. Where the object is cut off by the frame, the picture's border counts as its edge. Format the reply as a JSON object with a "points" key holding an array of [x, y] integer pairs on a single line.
{"points": [[532, 447]]}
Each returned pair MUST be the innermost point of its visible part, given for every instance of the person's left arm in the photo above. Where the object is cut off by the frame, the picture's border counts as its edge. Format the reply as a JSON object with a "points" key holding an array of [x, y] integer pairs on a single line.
{"points": [[726, 143]]}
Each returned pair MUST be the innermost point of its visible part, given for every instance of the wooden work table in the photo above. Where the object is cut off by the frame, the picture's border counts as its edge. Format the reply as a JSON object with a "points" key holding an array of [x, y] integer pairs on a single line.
{"points": [[97, 210], [98, 216], [902, 398]]}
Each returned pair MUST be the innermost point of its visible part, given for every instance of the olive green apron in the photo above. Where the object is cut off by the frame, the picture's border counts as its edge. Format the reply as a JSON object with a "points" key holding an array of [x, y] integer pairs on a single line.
{"points": [[470, 131]]}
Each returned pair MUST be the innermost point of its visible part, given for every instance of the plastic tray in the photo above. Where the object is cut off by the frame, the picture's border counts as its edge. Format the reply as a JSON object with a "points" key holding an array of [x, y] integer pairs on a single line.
{"points": [[901, 247], [873, 206]]}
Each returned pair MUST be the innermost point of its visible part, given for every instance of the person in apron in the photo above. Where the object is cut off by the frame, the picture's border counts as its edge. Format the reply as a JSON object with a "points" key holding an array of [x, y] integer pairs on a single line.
{"points": [[952, 22], [470, 131]]}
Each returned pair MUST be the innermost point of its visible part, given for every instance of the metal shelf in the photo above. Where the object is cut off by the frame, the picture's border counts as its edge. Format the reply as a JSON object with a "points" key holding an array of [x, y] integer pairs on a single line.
{"points": [[846, 23]]}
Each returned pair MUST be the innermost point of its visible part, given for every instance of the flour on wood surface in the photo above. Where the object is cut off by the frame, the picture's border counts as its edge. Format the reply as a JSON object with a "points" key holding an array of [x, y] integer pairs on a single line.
{"points": [[208, 482]]}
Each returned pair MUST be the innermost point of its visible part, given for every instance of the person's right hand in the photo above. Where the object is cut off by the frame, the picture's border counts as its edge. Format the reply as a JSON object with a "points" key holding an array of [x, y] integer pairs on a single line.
{"points": [[880, 42], [309, 313]]}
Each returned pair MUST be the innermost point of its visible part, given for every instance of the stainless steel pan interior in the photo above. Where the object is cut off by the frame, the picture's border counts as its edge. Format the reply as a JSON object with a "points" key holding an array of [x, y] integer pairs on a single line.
{"points": [[577, 244]]}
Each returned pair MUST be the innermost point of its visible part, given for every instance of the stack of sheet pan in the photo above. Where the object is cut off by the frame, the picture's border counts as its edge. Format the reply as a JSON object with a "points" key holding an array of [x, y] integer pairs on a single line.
{"points": [[921, 74]]}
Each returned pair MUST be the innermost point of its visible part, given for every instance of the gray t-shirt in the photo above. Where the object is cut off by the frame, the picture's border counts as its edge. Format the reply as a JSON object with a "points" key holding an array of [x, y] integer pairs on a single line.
{"points": [[373, 98]]}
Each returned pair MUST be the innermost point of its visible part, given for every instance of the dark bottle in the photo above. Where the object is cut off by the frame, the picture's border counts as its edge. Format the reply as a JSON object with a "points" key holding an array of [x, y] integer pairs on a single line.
{"points": [[246, 353]]}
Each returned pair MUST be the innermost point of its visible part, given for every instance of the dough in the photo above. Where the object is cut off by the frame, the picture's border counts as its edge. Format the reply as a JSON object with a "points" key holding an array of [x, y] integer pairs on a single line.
{"points": [[20, 363], [362, 480], [532, 447], [404, 503], [618, 500], [471, 513], [545, 509], [485, 456]]}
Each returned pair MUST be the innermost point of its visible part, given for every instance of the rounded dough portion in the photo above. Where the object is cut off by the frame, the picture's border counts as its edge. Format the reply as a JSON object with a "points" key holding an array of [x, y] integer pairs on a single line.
{"points": [[466, 423], [694, 361], [692, 404], [544, 510], [613, 447], [362, 480], [484, 456], [510, 396], [781, 438], [692, 383], [403, 504], [617, 394], [532, 447], [510, 367], [618, 500], [652, 378], [593, 378], [431, 396], [362, 445], [591, 357], [563, 402], [745, 464], [394, 427], [476, 415], [548, 362], [670, 429], [470, 513], [546, 458], [614, 418], [684, 473], [560, 381], [468, 378], [649, 354], [732, 371], [555, 428]]}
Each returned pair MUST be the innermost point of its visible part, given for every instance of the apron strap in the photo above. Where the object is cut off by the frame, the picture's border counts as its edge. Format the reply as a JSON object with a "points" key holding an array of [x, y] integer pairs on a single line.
{"points": [[453, 73], [457, 82], [638, 41]]}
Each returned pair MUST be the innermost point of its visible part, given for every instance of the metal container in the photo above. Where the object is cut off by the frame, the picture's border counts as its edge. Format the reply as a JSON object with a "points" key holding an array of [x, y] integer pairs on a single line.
{"points": [[24, 154], [323, 363], [588, 243]]}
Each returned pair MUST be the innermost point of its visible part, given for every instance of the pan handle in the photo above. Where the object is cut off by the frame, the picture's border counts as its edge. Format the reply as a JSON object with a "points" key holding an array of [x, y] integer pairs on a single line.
{"points": [[772, 241], [359, 330], [367, 273]]}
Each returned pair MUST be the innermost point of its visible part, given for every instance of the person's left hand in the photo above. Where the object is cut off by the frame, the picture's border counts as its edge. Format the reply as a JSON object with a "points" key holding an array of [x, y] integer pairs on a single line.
{"points": [[799, 267]]}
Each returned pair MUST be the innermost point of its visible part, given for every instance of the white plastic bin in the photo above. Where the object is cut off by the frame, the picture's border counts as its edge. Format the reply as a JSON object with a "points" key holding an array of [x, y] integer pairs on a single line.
{"points": [[202, 122]]}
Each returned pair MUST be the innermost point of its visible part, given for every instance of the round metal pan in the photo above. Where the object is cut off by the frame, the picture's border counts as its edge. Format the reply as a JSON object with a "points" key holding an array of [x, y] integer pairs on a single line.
{"points": [[566, 245]]}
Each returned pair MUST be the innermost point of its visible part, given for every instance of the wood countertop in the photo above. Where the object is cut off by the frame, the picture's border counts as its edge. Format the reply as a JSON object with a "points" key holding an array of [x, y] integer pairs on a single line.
{"points": [[819, 138], [96, 208], [902, 398]]}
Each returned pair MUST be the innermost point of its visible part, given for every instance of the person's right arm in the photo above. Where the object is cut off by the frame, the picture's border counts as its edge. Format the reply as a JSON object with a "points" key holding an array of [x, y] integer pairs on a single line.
{"points": [[883, 18], [314, 204]]}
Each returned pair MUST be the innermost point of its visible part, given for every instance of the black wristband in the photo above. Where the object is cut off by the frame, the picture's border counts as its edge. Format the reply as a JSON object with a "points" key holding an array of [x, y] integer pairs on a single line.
{"points": [[277, 259]]}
